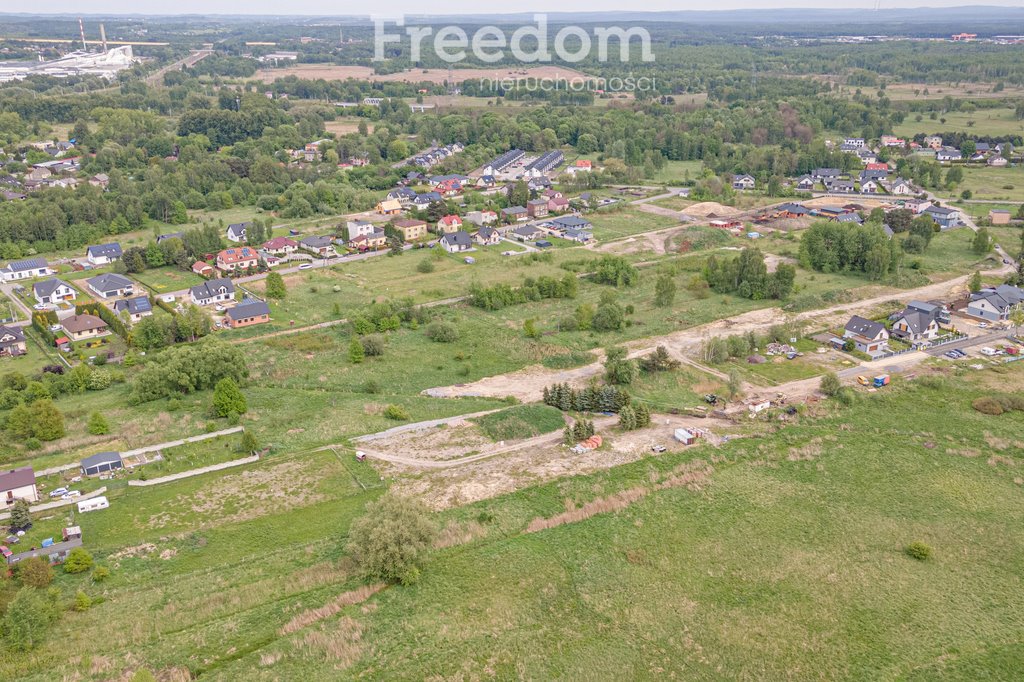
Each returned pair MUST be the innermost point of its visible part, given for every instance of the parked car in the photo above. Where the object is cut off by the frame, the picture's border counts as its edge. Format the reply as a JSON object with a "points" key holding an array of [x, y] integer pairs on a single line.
{"points": [[70, 495], [306, 266], [57, 492], [983, 325], [41, 306], [658, 448]]}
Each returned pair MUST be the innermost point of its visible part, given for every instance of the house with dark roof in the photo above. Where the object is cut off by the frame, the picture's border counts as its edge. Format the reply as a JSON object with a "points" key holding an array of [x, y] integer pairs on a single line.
{"points": [[526, 233], [515, 214], [486, 236], [944, 217], [101, 463], [236, 232], [18, 484], [247, 313], [110, 285], [422, 201], [537, 208], [917, 323], [868, 336], [805, 183], [170, 235], [135, 308], [454, 242], [25, 269], [12, 342], [103, 254], [213, 291], [280, 246], [318, 246], [51, 291], [995, 303], [743, 182], [571, 222]]}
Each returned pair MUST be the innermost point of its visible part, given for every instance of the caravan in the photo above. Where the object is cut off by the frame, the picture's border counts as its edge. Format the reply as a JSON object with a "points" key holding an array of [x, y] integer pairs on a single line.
{"points": [[93, 504]]}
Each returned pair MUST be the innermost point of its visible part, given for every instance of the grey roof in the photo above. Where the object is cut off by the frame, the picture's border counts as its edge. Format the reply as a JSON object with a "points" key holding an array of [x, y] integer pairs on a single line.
{"points": [[513, 210], [100, 458], [17, 333], [47, 286], [112, 250], [941, 210], [571, 222], [317, 242], [916, 320], [1002, 297], [110, 281], [526, 231], [791, 207], [459, 238], [862, 326], [238, 229], [17, 478], [486, 232], [848, 218], [248, 308], [428, 197], [134, 306], [27, 264], [209, 289], [170, 235]]}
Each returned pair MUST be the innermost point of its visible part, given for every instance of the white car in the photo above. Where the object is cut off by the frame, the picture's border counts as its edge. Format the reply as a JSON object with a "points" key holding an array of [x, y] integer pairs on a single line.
{"points": [[989, 351], [983, 325], [219, 308], [306, 266], [70, 495], [41, 306], [57, 492]]}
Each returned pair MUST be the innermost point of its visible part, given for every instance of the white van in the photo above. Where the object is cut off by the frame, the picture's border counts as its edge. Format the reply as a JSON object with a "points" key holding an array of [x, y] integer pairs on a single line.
{"points": [[989, 351], [93, 504]]}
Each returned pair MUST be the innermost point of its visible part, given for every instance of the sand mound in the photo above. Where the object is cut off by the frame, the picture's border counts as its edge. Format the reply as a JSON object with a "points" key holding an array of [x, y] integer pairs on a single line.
{"points": [[704, 208]]}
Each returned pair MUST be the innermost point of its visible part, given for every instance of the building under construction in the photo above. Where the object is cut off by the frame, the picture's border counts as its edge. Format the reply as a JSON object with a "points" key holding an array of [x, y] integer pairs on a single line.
{"points": [[105, 64]]}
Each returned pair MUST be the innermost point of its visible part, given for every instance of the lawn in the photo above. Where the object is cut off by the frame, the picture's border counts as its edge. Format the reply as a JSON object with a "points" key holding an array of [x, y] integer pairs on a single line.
{"points": [[785, 556], [677, 172], [994, 122], [624, 222], [521, 421], [166, 279], [1001, 184]]}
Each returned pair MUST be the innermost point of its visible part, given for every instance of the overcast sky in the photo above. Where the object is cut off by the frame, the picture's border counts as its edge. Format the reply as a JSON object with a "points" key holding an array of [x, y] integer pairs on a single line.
{"points": [[394, 7]]}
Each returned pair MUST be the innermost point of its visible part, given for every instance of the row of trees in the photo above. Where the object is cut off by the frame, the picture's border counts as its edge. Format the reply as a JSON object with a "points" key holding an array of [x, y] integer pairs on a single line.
{"points": [[844, 247], [500, 296]]}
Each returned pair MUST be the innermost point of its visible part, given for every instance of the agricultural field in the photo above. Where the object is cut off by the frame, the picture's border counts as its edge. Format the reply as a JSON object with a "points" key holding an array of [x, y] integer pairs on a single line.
{"points": [[994, 122], [1002, 184]]}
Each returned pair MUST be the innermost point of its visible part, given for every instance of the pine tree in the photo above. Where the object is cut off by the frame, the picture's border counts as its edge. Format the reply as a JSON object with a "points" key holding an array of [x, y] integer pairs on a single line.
{"points": [[355, 351], [643, 415], [20, 516], [627, 418], [98, 425], [567, 436], [275, 286], [228, 398]]}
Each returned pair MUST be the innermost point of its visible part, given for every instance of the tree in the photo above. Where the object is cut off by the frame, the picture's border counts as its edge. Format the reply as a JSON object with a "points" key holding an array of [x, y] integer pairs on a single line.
{"points": [[355, 351], [391, 541], [275, 286], [734, 386], [609, 317], [21, 517], [228, 398], [78, 561], [982, 242], [1017, 318], [530, 328], [35, 572], [664, 291], [426, 265], [830, 384], [82, 601], [627, 418], [28, 619], [47, 420], [617, 369], [249, 444], [975, 282], [98, 425], [519, 194], [395, 246], [442, 332], [658, 361]]}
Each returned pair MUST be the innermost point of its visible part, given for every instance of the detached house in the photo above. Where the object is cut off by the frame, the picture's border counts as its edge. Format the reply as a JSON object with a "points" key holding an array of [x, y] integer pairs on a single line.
{"points": [[134, 308], [995, 303], [365, 242], [481, 217], [356, 228], [515, 214], [12, 342], [81, 327], [237, 231], [25, 269], [247, 313], [869, 336], [318, 246], [743, 182], [917, 323], [805, 183], [411, 229], [280, 246], [111, 285], [944, 217], [456, 241], [537, 208], [948, 154], [487, 236], [18, 484], [389, 207], [242, 258], [214, 291], [53, 291], [558, 204], [449, 224], [103, 254]]}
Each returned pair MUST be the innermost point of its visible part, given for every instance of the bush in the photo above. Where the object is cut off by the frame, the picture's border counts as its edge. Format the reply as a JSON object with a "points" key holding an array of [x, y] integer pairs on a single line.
{"points": [[391, 541], [396, 412], [100, 573], [425, 266], [34, 572], [98, 425], [987, 405], [28, 619], [830, 385], [228, 398], [918, 550], [442, 332], [373, 345], [79, 561], [82, 601]]}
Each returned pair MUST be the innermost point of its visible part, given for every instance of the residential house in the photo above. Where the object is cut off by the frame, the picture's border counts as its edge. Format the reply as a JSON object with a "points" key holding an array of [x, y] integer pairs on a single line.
{"points": [[869, 187], [404, 195], [135, 308], [203, 269], [898, 187], [110, 285], [236, 232], [537, 208], [240, 258], [867, 156], [823, 174], [892, 141], [855, 142], [743, 182], [805, 183], [247, 313], [356, 228], [558, 204], [456, 241], [51, 291], [917, 323], [486, 236], [18, 484], [527, 233], [539, 184], [486, 182], [839, 186], [101, 463], [933, 142], [449, 187], [422, 201], [995, 303], [999, 216], [997, 161], [411, 229], [504, 161], [365, 242], [571, 222], [578, 235], [917, 206], [100, 180], [280, 246], [318, 246], [12, 342], [515, 214], [81, 327], [944, 217], [948, 154], [876, 174], [213, 291], [869, 336], [170, 235], [448, 224], [481, 217], [792, 210], [389, 207], [581, 166], [25, 269], [849, 217], [103, 254], [13, 196]]}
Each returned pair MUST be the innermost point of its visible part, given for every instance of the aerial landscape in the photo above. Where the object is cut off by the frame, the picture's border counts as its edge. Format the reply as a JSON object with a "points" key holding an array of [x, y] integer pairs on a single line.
{"points": [[476, 343]]}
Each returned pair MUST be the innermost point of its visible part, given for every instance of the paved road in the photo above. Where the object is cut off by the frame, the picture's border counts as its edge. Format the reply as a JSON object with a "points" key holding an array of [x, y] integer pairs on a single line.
{"points": [[157, 77], [8, 290]]}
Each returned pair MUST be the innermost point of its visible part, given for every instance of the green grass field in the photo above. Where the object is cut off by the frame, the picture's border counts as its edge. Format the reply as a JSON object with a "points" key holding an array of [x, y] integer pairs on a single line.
{"points": [[1002, 184], [677, 172], [521, 421], [627, 221], [167, 279], [999, 121]]}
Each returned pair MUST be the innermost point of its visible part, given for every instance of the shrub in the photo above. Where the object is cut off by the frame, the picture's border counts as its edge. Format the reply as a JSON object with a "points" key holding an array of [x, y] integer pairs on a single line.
{"points": [[98, 425], [391, 541], [396, 412], [371, 386], [425, 266], [918, 550], [442, 332], [82, 601], [79, 561], [100, 573], [228, 398], [27, 620], [35, 572], [830, 385], [987, 405], [373, 345]]}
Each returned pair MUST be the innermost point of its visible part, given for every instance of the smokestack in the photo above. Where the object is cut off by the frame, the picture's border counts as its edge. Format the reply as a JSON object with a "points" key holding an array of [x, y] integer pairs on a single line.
{"points": [[103, 37], [81, 29]]}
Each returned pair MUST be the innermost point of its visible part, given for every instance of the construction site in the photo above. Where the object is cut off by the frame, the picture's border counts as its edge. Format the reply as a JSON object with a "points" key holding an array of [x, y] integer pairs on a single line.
{"points": [[106, 63]]}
